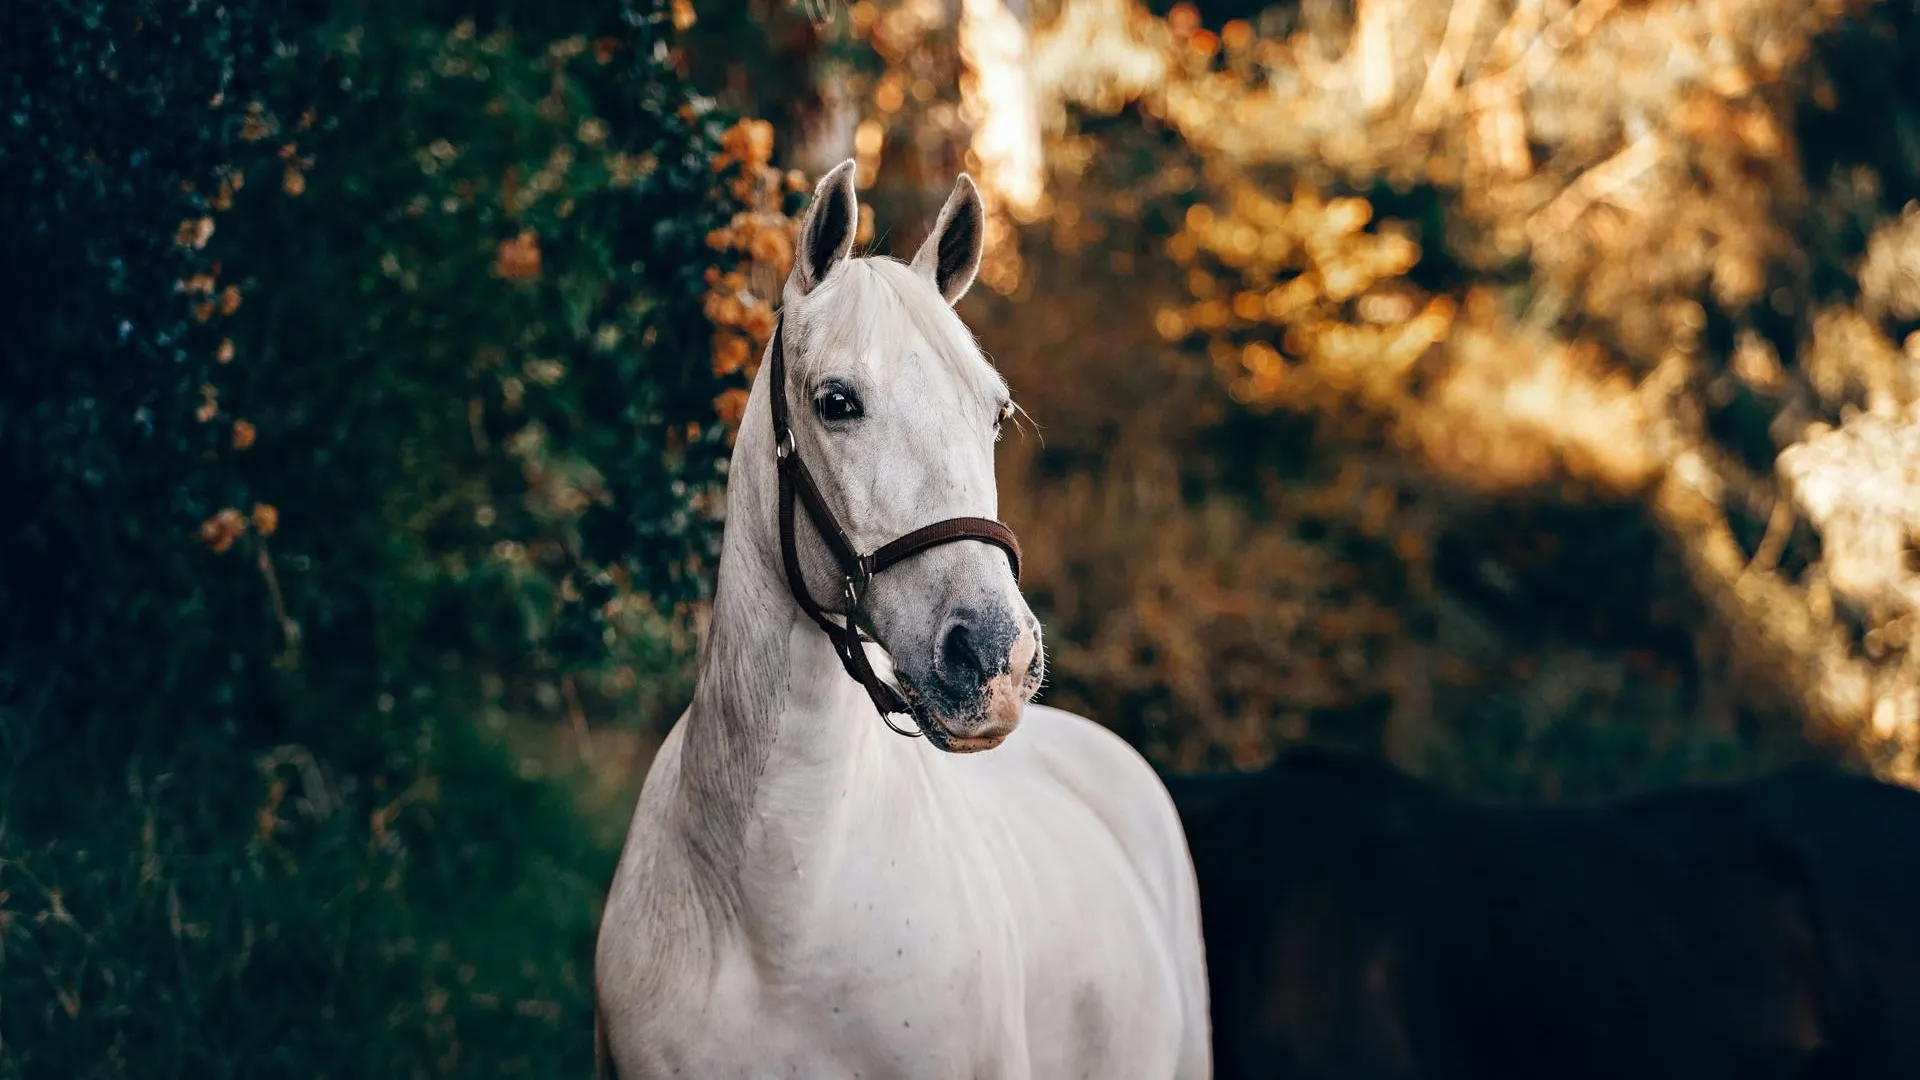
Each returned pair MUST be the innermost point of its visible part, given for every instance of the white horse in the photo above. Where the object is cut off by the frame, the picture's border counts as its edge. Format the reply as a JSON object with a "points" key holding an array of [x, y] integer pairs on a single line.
{"points": [[804, 893]]}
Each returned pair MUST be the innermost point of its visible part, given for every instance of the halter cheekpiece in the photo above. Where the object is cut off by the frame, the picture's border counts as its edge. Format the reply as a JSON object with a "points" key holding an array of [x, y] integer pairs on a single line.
{"points": [[857, 570]]}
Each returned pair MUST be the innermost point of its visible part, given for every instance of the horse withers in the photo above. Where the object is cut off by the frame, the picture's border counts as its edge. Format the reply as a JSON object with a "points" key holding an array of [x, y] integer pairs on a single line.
{"points": [[1361, 925], [803, 892]]}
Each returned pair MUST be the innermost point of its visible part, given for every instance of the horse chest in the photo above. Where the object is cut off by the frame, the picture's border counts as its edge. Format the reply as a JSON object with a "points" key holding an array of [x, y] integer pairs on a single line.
{"points": [[892, 966], [847, 999]]}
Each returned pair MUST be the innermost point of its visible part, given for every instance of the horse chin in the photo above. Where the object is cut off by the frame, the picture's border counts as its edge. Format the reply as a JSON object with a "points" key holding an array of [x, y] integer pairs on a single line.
{"points": [[961, 744], [984, 726]]}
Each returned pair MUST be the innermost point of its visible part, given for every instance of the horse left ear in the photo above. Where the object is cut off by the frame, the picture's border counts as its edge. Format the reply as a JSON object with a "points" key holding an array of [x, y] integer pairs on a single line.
{"points": [[950, 258], [826, 236]]}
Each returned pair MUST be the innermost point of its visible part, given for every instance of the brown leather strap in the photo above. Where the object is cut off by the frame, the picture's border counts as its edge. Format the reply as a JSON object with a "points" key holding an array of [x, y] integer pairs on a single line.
{"points": [[790, 556], [857, 571], [985, 530]]}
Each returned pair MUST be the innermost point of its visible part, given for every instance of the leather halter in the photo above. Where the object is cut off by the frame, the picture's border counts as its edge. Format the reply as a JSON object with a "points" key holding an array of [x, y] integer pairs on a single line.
{"points": [[856, 570]]}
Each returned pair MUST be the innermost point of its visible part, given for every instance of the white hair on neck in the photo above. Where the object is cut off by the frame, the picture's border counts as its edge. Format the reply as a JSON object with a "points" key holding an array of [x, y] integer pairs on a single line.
{"points": [[859, 311]]}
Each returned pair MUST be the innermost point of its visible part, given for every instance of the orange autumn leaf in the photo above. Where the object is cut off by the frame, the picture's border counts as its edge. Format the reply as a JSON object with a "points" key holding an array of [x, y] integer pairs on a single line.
{"points": [[748, 142], [220, 531], [519, 258], [266, 518], [771, 247], [731, 407], [194, 233], [730, 353], [759, 323], [258, 125]]}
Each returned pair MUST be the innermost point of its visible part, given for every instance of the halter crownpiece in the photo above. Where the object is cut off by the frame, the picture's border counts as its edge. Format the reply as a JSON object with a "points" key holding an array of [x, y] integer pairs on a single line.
{"points": [[857, 570]]}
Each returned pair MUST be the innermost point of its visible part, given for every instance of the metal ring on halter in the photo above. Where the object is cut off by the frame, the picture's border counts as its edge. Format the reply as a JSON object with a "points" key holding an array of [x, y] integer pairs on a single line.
{"points": [[911, 733], [851, 587], [855, 582]]}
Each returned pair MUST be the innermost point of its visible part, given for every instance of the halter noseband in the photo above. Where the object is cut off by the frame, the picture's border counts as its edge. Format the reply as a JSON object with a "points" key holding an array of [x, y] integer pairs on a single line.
{"points": [[857, 570]]}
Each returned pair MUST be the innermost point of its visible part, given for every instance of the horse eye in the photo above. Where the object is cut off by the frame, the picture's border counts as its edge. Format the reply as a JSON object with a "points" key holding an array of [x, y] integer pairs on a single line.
{"points": [[836, 404]]}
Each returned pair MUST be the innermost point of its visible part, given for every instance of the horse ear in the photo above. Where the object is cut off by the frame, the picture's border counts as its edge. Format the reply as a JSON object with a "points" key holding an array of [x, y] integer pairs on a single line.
{"points": [[826, 238], [951, 256]]}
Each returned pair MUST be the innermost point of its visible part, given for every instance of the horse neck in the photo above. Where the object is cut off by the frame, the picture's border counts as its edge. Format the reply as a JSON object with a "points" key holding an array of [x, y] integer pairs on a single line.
{"points": [[777, 731]]}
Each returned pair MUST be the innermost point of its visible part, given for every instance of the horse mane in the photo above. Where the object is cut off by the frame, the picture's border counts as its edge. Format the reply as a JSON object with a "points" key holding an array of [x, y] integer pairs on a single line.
{"points": [[603, 1067]]}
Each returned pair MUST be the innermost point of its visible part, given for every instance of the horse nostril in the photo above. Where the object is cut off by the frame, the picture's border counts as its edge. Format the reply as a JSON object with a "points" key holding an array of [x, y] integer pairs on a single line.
{"points": [[959, 655]]}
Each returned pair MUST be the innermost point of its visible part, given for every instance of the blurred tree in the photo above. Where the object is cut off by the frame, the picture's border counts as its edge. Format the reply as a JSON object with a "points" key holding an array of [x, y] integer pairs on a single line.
{"points": [[1615, 278], [1528, 320], [355, 359]]}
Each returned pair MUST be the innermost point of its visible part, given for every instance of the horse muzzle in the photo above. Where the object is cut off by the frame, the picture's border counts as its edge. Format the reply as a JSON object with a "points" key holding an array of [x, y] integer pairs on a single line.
{"points": [[984, 672]]}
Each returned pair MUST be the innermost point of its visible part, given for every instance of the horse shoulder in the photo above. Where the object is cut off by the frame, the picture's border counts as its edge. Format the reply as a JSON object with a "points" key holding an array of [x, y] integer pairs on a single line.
{"points": [[1119, 787], [1115, 782], [654, 943]]}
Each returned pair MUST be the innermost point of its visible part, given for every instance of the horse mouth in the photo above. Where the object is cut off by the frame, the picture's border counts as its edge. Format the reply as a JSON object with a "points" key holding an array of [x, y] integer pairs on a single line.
{"points": [[983, 726], [961, 744]]}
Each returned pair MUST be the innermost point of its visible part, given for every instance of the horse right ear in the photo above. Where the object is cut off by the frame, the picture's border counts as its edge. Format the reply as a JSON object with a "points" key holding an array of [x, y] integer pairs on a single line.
{"points": [[826, 237]]}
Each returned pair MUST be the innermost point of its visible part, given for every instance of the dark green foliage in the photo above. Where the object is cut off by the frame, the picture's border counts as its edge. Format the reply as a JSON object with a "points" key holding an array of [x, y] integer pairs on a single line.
{"points": [[251, 821]]}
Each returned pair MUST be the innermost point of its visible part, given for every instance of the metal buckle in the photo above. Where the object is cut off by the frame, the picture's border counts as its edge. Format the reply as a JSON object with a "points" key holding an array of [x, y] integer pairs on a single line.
{"points": [[854, 584], [783, 444]]}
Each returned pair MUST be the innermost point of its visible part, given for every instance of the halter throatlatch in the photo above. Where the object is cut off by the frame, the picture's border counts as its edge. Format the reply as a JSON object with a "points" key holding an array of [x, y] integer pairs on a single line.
{"points": [[857, 571]]}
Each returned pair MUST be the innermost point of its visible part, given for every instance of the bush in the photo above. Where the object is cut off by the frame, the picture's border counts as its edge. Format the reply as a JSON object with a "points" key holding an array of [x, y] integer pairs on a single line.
{"points": [[357, 359]]}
